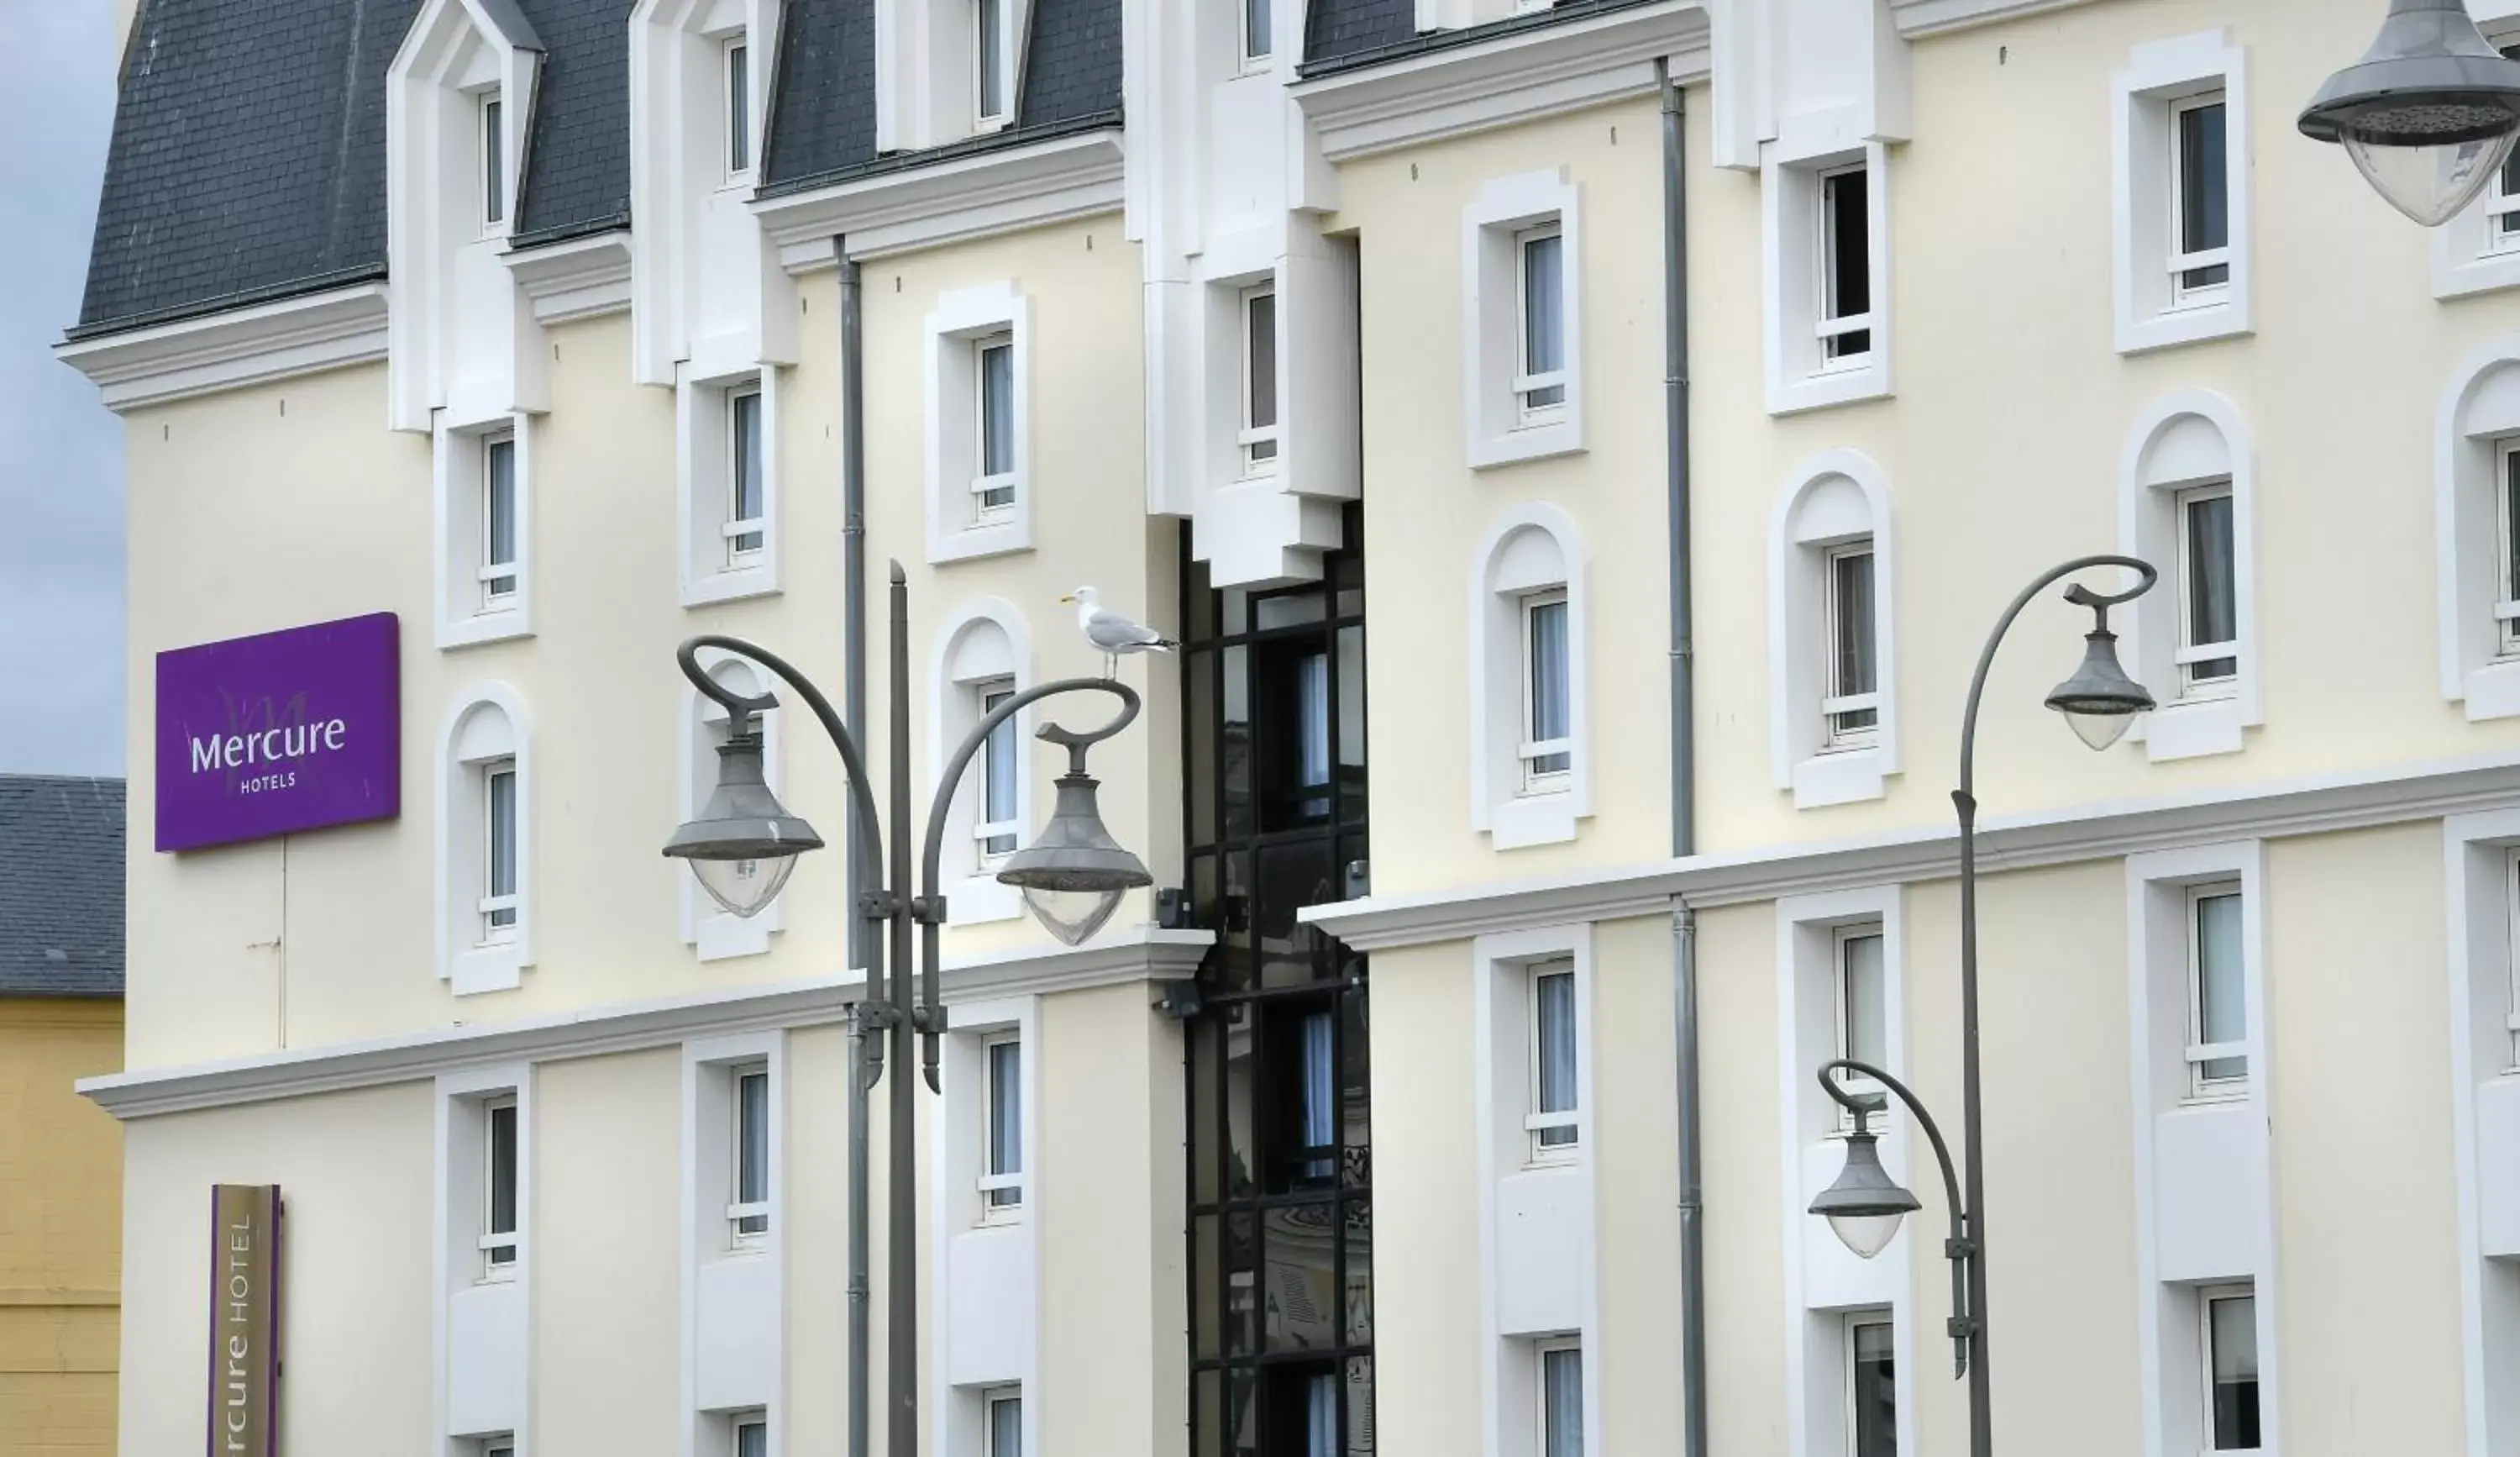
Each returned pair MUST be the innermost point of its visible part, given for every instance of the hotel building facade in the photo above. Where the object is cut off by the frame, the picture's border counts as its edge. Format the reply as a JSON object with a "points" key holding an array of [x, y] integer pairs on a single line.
{"points": [[1580, 450]]}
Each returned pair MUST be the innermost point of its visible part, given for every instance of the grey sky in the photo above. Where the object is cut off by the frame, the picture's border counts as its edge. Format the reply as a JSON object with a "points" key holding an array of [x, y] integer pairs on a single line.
{"points": [[60, 451]]}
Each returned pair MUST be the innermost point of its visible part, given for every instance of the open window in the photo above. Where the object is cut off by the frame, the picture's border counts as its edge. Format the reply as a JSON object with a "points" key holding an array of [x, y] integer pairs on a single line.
{"points": [[2186, 505], [1833, 723], [1529, 679], [1827, 234], [2180, 193], [1522, 319], [485, 809]]}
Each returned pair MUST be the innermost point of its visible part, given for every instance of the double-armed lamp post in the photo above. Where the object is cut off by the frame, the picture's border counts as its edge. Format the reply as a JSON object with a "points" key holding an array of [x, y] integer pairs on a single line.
{"points": [[742, 848], [1865, 1206]]}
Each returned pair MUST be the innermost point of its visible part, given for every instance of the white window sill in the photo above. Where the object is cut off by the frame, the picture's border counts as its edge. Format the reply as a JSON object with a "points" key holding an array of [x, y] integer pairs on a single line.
{"points": [[723, 937], [506, 624], [1845, 777], [2194, 324], [500, 968], [2492, 691], [991, 539], [2193, 728], [2476, 273], [1526, 820], [1563, 436], [980, 899], [733, 585], [1844, 384], [1004, 1218]]}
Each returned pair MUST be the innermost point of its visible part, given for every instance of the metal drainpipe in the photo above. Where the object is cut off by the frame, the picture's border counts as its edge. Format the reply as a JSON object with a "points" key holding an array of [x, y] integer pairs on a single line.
{"points": [[1684, 761], [853, 702]]}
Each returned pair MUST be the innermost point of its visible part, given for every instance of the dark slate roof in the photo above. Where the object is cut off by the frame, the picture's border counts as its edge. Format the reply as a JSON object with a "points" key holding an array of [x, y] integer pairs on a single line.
{"points": [[60, 886], [248, 148], [1352, 34], [822, 131]]}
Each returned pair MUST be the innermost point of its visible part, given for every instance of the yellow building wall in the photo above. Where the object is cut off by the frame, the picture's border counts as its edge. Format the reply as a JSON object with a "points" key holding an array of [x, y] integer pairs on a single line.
{"points": [[61, 1228]]}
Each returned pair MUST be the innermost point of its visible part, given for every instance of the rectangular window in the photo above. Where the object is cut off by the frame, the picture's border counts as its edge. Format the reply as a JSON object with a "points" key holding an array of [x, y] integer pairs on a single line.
{"points": [[1255, 32], [1845, 266], [2218, 1002], [1548, 720], [738, 110], [995, 487], [742, 476], [1872, 1387], [747, 1209], [498, 1188], [2506, 546], [751, 1436], [2231, 1341], [1862, 1009], [2503, 196], [1003, 1428], [1002, 1167], [1260, 379], [498, 1446], [1554, 1121], [498, 522], [988, 18], [1561, 1399], [1853, 703], [2209, 596], [2200, 201], [499, 852], [1541, 384], [494, 167], [999, 766]]}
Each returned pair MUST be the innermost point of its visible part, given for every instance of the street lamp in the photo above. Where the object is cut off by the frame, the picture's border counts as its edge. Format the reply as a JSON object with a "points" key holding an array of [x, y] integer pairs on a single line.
{"points": [[1865, 1206], [2428, 115], [744, 845]]}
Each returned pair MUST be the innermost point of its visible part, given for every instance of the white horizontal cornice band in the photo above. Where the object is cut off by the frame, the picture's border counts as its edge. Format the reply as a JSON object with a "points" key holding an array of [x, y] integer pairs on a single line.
{"points": [[579, 279], [234, 347], [1514, 78], [2306, 806], [1915, 18], [1138, 954], [978, 196]]}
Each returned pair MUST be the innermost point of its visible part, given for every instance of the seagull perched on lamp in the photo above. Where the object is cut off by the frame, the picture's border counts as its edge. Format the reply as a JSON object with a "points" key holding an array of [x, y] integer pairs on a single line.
{"points": [[1112, 635]]}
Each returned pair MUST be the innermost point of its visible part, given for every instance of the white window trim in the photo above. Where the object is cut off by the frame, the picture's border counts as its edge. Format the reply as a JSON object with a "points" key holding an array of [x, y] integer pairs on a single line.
{"points": [[973, 895], [1534, 1121], [1499, 806], [727, 1284], [704, 488], [471, 1402], [712, 933], [1846, 1375], [2471, 256], [987, 1183], [1528, 382], [1801, 530], [2142, 98], [991, 1400], [985, 830], [1497, 429], [1841, 1027], [2191, 438], [2178, 263], [459, 474], [738, 1209], [1825, 325], [2478, 418], [959, 530], [1249, 435], [1540, 1350], [2206, 1296], [490, 573], [1531, 751], [465, 743], [490, 901], [984, 482], [1799, 375], [2483, 930], [489, 1241], [736, 528]]}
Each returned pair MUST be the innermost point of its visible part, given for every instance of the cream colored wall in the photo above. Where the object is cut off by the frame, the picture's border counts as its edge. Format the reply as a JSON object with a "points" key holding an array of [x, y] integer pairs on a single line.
{"points": [[357, 1172], [61, 1225], [1425, 509], [605, 1327]]}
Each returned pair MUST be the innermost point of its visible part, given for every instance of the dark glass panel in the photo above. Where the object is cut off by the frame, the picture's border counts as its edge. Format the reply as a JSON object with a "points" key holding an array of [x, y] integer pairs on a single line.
{"points": [[1359, 1300], [1356, 1090], [1206, 1270], [1350, 725], [1200, 618], [1301, 1402], [1287, 610], [1301, 1276], [1243, 1152], [1200, 724], [1292, 877], [1241, 1414], [1207, 1413], [1235, 744], [1291, 732], [1360, 1406], [1299, 1096], [1207, 1079], [1241, 1285]]}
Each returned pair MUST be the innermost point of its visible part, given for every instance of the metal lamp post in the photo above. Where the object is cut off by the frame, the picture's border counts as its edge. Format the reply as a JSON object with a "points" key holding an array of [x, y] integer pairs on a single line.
{"points": [[2428, 115], [742, 847], [1865, 1206]]}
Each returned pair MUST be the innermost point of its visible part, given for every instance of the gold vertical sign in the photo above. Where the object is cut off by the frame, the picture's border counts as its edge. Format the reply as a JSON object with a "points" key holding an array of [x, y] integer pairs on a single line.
{"points": [[245, 1320]]}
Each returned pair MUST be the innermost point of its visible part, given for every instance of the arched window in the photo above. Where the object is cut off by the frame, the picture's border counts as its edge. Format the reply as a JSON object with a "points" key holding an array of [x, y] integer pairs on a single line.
{"points": [[711, 932], [484, 830], [1531, 759], [2477, 532], [1832, 664], [983, 655], [2188, 504]]}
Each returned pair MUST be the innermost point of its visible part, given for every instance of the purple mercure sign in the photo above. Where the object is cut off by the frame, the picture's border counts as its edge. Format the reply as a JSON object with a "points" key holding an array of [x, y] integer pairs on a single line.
{"points": [[279, 732]]}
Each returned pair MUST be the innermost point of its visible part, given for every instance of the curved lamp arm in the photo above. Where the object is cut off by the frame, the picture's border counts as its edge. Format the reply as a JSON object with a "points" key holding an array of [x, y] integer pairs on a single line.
{"points": [[2077, 594], [741, 708], [1961, 1247]]}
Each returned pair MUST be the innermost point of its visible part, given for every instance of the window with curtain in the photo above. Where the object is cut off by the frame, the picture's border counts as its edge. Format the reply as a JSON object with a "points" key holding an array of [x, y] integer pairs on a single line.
{"points": [[1541, 384], [499, 852], [1554, 1118], [498, 522], [998, 826], [748, 1212], [1862, 1009], [1872, 1387], [1853, 709], [1548, 703], [2200, 198], [996, 487], [1561, 1399], [1845, 266], [2209, 592], [2231, 1341], [498, 1239], [1002, 1170], [2217, 988]]}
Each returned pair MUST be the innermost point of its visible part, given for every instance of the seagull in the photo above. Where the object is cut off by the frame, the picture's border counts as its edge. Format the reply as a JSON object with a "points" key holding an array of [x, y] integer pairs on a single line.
{"points": [[1112, 635]]}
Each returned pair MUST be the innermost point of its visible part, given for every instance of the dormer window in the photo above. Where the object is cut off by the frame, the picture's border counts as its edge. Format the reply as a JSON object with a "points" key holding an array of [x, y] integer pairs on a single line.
{"points": [[1255, 35], [738, 111], [494, 168], [1260, 381], [989, 49]]}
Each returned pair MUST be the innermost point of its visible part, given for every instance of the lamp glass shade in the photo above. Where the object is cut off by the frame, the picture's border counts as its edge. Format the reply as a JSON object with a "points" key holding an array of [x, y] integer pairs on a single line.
{"points": [[1865, 1206], [2434, 183], [1074, 873], [2428, 114], [743, 844], [1072, 916], [2101, 701]]}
